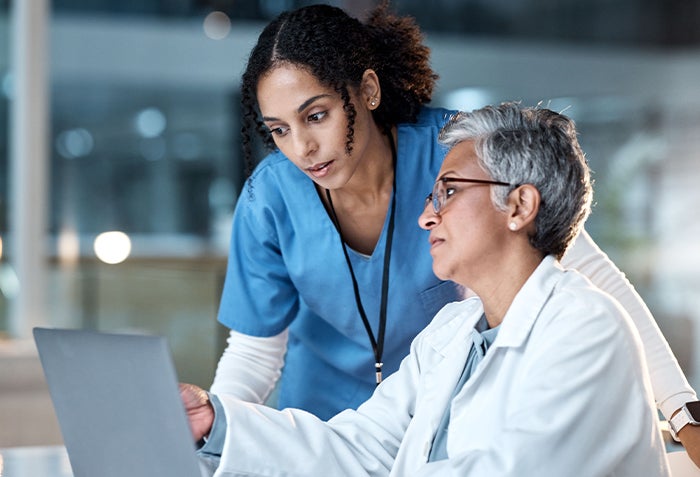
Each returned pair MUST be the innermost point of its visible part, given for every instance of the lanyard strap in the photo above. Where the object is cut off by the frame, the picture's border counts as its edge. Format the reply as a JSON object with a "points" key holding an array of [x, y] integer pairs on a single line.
{"points": [[378, 343]]}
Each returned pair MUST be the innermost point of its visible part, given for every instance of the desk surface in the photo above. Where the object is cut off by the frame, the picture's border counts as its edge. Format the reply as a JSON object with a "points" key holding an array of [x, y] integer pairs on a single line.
{"points": [[52, 461], [49, 461]]}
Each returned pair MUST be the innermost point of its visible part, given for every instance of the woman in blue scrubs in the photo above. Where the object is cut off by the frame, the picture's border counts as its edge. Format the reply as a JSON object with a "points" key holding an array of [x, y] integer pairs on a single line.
{"points": [[335, 205]]}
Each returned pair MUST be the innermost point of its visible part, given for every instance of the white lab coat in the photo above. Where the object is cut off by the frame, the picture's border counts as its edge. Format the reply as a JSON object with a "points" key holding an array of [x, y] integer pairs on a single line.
{"points": [[563, 390]]}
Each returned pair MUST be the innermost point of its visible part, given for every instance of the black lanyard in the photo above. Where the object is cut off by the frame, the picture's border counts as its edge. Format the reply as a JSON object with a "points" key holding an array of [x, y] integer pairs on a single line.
{"points": [[378, 343]]}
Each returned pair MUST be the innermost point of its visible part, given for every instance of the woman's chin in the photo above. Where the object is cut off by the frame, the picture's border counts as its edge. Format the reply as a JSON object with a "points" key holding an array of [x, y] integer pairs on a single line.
{"points": [[440, 272]]}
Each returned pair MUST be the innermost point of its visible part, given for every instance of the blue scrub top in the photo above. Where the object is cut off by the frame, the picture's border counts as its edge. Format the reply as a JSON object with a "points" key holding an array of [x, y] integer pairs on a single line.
{"points": [[286, 269]]}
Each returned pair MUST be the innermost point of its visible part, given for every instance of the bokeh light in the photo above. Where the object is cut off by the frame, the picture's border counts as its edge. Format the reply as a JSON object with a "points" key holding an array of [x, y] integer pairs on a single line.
{"points": [[75, 143], [68, 246], [150, 122], [112, 247], [217, 25]]}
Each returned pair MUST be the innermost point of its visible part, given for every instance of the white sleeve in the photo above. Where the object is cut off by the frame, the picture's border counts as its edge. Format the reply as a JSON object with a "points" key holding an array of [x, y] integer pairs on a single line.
{"points": [[250, 366], [360, 443], [670, 386]]}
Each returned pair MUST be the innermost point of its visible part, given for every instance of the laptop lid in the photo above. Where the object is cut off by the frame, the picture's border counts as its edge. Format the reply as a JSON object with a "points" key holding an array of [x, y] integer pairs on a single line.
{"points": [[118, 405]]}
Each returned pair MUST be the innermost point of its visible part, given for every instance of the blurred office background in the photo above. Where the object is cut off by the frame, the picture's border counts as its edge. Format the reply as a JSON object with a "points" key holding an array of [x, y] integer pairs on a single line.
{"points": [[136, 131]]}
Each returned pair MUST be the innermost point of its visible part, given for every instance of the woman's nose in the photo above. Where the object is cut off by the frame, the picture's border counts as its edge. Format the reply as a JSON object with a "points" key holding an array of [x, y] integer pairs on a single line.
{"points": [[304, 145], [428, 219]]}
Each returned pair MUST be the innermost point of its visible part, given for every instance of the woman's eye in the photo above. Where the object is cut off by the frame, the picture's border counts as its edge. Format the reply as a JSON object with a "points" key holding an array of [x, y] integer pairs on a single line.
{"points": [[316, 117], [449, 191], [280, 131]]}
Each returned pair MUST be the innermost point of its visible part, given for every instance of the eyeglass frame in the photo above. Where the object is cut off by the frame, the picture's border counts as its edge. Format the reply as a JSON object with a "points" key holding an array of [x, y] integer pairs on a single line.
{"points": [[434, 197]]}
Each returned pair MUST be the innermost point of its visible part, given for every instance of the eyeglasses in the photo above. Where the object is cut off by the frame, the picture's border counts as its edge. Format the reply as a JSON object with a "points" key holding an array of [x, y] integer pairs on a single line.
{"points": [[439, 195]]}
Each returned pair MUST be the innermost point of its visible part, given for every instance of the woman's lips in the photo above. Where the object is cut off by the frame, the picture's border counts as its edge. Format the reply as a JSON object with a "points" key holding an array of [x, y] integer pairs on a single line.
{"points": [[319, 170], [434, 242]]}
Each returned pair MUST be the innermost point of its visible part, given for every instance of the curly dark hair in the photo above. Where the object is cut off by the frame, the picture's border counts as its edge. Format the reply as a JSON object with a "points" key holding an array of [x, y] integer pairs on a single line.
{"points": [[337, 49]]}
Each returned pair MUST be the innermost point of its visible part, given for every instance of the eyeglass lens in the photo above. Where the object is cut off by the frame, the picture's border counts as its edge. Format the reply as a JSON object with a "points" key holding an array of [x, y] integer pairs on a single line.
{"points": [[436, 198]]}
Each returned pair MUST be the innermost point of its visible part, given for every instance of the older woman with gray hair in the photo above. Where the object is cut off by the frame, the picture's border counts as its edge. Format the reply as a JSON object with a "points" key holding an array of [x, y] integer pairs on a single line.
{"points": [[535, 375]]}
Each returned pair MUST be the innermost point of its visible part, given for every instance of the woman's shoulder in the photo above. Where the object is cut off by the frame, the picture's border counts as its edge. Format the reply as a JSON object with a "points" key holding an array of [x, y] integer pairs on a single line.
{"points": [[419, 150], [432, 117], [270, 167], [585, 305], [427, 126], [274, 183], [273, 170]]}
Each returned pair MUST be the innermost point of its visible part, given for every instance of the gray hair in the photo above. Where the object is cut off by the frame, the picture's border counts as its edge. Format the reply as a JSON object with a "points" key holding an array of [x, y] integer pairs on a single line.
{"points": [[536, 146]]}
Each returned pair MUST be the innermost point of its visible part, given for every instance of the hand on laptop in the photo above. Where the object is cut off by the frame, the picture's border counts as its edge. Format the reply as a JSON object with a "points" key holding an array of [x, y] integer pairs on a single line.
{"points": [[199, 410]]}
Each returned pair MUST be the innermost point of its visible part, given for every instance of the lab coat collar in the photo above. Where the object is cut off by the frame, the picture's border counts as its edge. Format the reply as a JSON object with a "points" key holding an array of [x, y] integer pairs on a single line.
{"points": [[452, 326], [528, 303]]}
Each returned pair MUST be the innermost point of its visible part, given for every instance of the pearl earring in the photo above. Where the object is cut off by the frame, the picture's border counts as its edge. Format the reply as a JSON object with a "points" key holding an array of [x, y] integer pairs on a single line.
{"points": [[373, 102], [512, 226]]}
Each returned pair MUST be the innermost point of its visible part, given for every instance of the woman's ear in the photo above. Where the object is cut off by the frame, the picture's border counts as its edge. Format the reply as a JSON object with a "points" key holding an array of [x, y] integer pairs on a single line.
{"points": [[523, 206], [370, 90]]}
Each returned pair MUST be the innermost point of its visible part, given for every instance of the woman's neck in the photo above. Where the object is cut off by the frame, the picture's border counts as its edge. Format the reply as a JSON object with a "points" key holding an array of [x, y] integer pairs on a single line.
{"points": [[374, 175], [361, 205], [501, 284]]}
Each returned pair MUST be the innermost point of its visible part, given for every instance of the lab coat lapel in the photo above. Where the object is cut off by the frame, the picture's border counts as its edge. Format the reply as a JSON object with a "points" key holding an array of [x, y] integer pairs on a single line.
{"points": [[450, 346]]}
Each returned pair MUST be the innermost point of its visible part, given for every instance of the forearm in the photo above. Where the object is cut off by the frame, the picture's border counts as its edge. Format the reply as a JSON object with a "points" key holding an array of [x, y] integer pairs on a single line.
{"points": [[250, 366], [264, 441]]}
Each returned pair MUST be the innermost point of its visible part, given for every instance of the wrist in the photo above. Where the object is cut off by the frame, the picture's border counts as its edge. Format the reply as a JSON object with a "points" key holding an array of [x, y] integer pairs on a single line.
{"points": [[213, 442], [687, 415]]}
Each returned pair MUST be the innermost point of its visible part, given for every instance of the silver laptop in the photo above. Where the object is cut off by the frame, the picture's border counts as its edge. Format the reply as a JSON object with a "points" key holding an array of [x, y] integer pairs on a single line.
{"points": [[118, 405]]}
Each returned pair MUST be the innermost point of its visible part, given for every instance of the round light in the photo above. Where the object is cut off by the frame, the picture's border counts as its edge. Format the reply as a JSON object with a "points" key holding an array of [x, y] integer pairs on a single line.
{"points": [[75, 143], [150, 122], [217, 25], [112, 247]]}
